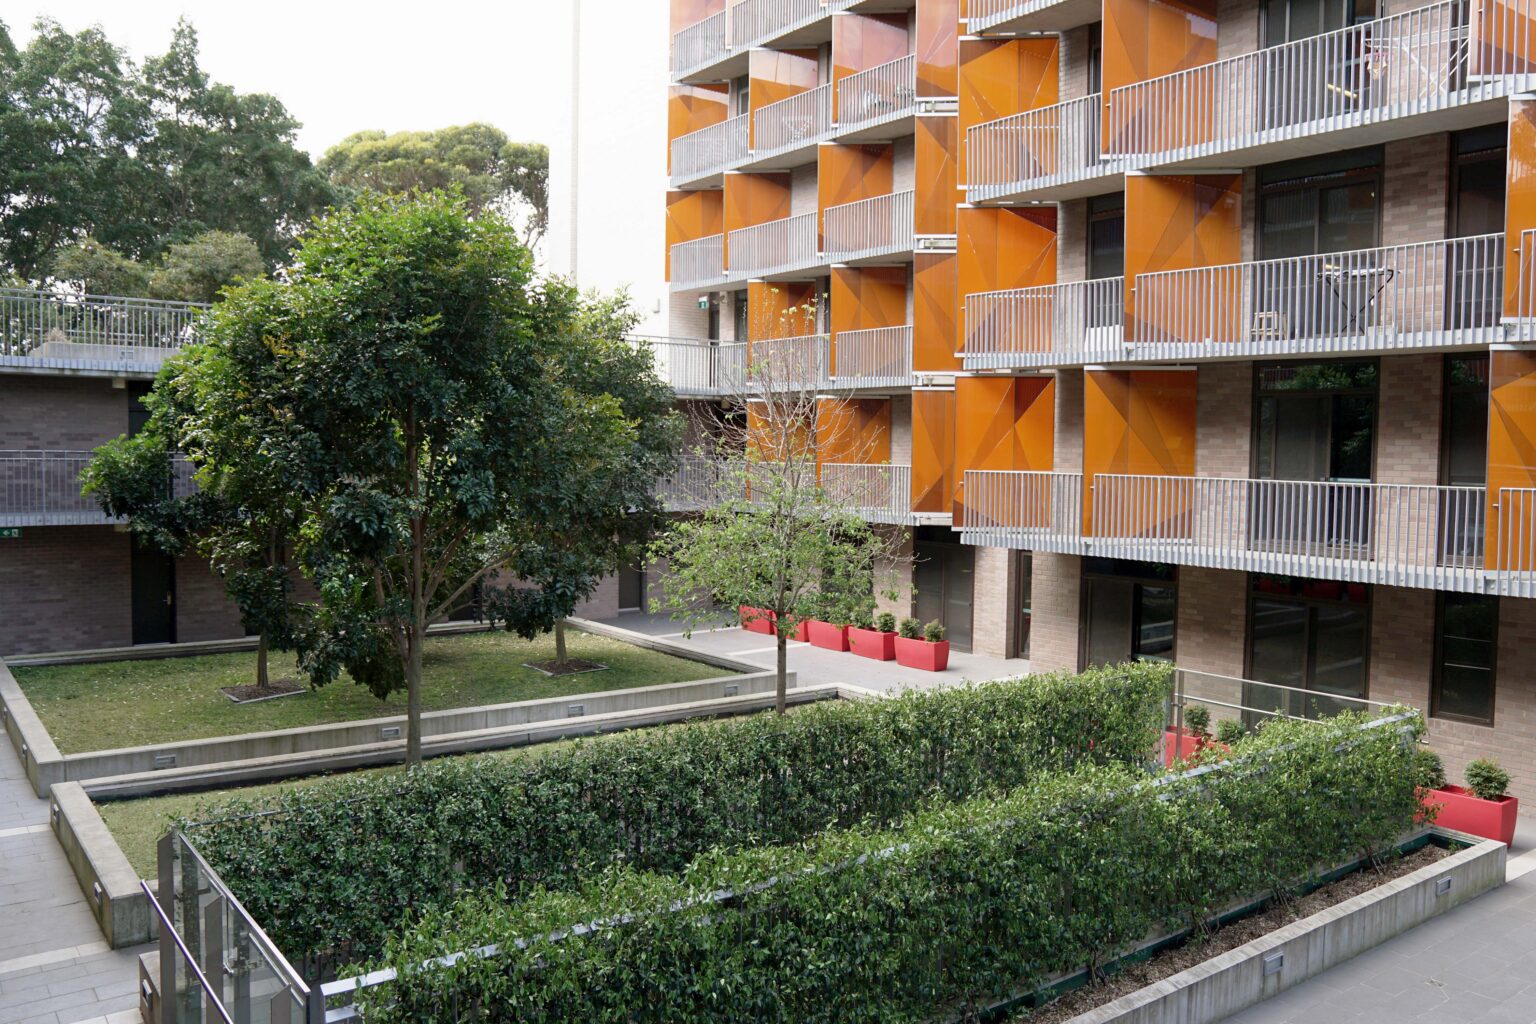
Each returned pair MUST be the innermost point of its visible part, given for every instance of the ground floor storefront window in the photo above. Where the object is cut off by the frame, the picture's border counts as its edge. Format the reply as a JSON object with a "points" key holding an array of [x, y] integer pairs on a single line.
{"points": [[1129, 611]]}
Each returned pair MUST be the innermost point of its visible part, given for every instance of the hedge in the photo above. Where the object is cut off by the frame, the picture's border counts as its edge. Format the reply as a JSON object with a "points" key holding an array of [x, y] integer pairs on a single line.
{"points": [[963, 905], [338, 867]]}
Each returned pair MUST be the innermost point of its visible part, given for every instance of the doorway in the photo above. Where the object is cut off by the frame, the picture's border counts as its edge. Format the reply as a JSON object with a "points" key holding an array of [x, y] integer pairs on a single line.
{"points": [[152, 591], [632, 589], [1310, 635], [1129, 612], [944, 576]]}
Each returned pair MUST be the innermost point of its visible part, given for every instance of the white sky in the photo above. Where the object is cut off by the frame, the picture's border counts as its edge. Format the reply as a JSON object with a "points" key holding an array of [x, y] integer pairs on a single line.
{"points": [[342, 67]]}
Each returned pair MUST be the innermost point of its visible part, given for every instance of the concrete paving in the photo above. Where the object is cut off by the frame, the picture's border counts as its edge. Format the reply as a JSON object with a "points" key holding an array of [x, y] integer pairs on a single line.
{"points": [[55, 968], [814, 665]]}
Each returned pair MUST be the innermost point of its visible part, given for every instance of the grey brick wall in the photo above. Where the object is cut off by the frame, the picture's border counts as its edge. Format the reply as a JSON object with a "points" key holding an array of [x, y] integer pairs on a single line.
{"points": [[1212, 616], [1053, 627], [60, 413], [1408, 425], [1224, 420], [1414, 182], [994, 586], [64, 588]]}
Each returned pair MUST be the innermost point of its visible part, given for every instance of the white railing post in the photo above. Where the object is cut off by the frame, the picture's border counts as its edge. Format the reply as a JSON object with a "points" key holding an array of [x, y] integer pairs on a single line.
{"points": [[877, 226], [881, 93]]}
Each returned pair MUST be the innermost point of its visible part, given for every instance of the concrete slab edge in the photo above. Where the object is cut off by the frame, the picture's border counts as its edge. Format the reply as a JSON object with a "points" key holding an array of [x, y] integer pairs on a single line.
{"points": [[39, 756], [108, 881], [662, 644]]}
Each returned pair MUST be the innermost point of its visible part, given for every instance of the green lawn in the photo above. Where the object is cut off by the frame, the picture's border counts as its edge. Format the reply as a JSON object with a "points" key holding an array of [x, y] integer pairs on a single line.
{"points": [[132, 703]]}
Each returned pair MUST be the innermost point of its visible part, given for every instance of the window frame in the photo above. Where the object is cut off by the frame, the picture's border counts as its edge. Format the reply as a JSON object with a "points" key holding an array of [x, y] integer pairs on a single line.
{"points": [[1437, 666], [1311, 603]]}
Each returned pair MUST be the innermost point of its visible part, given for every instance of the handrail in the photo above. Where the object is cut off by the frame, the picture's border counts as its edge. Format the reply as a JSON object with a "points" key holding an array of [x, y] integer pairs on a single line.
{"points": [[881, 93], [698, 262], [1048, 146], [876, 226], [49, 324], [699, 45], [799, 120], [43, 486], [788, 243], [167, 928], [881, 493], [1040, 510], [873, 357], [755, 22], [1072, 322], [710, 150]]}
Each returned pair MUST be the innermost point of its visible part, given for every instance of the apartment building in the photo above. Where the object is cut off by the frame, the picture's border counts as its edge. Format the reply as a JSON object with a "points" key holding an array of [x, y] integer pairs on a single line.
{"points": [[1196, 330]]}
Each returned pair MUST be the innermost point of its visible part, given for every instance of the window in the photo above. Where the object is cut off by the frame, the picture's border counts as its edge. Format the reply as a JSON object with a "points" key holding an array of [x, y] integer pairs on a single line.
{"points": [[1466, 651], [1320, 204], [1286, 21], [1464, 448], [1315, 421], [1106, 236], [741, 95], [1024, 569], [1129, 611], [1095, 58], [1475, 269], [1307, 635]]}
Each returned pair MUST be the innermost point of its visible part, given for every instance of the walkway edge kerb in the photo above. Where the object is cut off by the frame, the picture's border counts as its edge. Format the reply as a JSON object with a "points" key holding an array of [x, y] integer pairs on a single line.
{"points": [[39, 756], [107, 879]]}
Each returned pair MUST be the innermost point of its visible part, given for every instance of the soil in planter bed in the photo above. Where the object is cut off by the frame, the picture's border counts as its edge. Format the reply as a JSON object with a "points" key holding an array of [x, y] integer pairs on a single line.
{"points": [[569, 667], [1182, 957], [274, 688]]}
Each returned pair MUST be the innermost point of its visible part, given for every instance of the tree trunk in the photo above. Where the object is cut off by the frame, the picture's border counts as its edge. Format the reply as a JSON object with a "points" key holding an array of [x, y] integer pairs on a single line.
{"points": [[560, 642], [261, 659], [781, 693], [413, 691]]}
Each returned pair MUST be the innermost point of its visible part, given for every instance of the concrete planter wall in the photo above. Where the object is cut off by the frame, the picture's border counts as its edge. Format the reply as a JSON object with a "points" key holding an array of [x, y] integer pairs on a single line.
{"points": [[109, 882]]}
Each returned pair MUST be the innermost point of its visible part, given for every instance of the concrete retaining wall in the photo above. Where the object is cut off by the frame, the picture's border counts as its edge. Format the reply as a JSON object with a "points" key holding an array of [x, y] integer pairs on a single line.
{"points": [[109, 882], [1270, 964]]}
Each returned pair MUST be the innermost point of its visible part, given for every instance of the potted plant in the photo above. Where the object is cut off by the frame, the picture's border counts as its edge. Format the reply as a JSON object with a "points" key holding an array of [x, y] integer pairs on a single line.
{"points": [[922, 647], [756, 620], [875, 639], [1181, 745], [827, 636], [1482, 807]]}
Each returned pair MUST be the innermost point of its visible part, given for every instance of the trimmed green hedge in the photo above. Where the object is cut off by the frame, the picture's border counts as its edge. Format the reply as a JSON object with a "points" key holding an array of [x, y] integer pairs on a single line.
{"points": [[339, 867], [963, 905]]}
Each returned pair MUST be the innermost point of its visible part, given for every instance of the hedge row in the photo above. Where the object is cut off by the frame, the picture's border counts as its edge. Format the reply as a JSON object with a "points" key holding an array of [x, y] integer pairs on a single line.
{"points": [[341, 866], [963, 905]]}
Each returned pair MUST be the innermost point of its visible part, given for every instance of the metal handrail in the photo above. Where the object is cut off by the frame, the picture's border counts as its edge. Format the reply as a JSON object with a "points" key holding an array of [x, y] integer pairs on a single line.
{"points": [[169, 929], [799, 120], [756, 22], [1035, 510], [874, 357], [982, 15], [1037, 148], [878, 226], [45, 324], [788, 243], [1072, 322], [699, 262], [699, 45], [799, 362], [884, 92], [42, 487], [880, 493], [710, 150]]}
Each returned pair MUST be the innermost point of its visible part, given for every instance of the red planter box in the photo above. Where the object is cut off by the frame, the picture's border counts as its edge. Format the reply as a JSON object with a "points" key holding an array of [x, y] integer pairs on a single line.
{"points": [[871, 643], [762, 622], [1185, 746], [827, 636], [922, 654], [1463, 812]]}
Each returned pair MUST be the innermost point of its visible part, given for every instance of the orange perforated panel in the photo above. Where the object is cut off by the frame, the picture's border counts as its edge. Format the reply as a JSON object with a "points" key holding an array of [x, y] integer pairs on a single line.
{"points": [[690, 216], [1138, 422], [1520, 202], [781, 309], [691, 107], [863, 41], [933, 450], [1511, 461], [1145, 40], [1176, 222], [935, 314], [846, 174], [690, 12], [778, 441], [936, 196], [777, 75], [1003, 248], [868, 297], [1002, 77], [937, 46], [753, 199], [1002, 423], [854, 430]]}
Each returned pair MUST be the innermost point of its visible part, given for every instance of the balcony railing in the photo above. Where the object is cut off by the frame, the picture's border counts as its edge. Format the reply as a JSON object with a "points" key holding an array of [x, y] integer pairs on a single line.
{"points": [[800, 120], [877, 493], [880, 357], [1425, 295], [1042, 15], [1051, 146], [93, 331], [885, 92], [42, 488], [697, 367], [784, 364], [755, 22], [1525, 285], [775, 247], [701, 483], [1402, 65], [1048, 325], [1031, 511], [710, 150], [699, 45], [879, 226], [699, 263]]}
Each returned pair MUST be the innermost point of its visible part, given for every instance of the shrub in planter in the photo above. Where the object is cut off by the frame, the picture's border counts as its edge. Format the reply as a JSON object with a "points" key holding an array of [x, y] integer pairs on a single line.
{"points": [[928, 650], [872, 641], [910, 628], [885, 622], [827, 636], [1482, 808], [1198, 718], [1229, 731], [1428, 769]]}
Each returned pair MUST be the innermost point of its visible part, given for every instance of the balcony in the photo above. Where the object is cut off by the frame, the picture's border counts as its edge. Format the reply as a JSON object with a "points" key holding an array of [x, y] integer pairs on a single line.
{"points": [[1429, 295], [880, 357], [1048, 325], [879, 103], [1051, 153], [42, 488], [101, 334], [1407, 74], [700, 52], [697, 367], [1028, 511], [699, 263], [780, 246], [785, 134], [1010, 17], [700, 483], [789, 364], [869, 229], [700, 159], [782, 23], [875, 493]]}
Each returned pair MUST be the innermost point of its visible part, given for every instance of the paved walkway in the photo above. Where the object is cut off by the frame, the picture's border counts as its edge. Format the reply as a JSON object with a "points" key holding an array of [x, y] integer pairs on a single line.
{"points": [[55, 968], [814, 665]]}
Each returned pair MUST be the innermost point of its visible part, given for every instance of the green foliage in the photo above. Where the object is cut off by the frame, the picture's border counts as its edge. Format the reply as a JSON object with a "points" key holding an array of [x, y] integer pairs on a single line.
{"points": [[933, 632], [1230, 731], [864, 618], [656, 800], [1428, 769], [933, 919], [1197, 717], [1486, 779], [98, 270], [196, 270], [910, 628], [885, 622]]}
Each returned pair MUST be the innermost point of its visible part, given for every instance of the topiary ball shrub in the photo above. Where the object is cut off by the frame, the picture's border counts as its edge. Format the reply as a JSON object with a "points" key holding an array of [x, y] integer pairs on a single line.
{"points": [[1486, 779], [1229, 731], [1428, 769], [911, 628], [934, 632], [1197, 717], [885, 622]]}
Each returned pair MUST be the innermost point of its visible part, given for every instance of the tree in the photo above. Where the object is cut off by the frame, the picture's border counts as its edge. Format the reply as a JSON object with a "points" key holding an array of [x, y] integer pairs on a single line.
{"points": [[777, 542], [98, 270], [511, 178], [195, 271]]}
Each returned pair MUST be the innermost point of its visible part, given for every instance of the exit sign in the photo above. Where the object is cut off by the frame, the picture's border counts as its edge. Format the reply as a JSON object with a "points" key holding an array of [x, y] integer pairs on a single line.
{"points": [[10, 533]]}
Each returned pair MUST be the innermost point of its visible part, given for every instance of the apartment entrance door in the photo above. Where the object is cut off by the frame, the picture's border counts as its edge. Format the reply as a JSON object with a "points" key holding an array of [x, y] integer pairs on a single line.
{"points": [[944, 577], [632, 589], [152, 590], [1129, 612]]}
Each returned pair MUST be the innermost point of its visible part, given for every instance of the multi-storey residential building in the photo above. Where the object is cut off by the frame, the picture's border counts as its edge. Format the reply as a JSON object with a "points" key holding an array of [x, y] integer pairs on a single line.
{"points": [[1186, 330]]}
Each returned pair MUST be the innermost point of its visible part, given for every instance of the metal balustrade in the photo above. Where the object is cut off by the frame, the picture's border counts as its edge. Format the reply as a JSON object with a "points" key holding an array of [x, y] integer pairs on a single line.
{"points": [[42, 488], [105, 332], [800, 120], [879, 357], [701, 483], [780, 364], [697, 367], [879, 226], [876, 493], [699, 263], [885, 92], [756, 22], [1402, 65], [710, 150], [1031, 511], [1052, 146], [775, 247], [1048, 325], [699, 45], [1424, 295], [1033, 15]]}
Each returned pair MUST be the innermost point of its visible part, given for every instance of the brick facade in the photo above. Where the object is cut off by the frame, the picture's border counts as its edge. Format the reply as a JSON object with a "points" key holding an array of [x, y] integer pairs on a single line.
{"points": [[1408, 419], [66, 587], [1053, 628], [60, 413], [993, 600], [1224, 420], [1413, 169]]}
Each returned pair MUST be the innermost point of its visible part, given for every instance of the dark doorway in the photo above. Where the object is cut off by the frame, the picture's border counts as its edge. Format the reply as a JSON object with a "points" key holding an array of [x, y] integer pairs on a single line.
{"points": [[632, 589], [1475, 296], [1310, 635], [944, 577], [1024, 601], [153, 593], [1129, 612]]}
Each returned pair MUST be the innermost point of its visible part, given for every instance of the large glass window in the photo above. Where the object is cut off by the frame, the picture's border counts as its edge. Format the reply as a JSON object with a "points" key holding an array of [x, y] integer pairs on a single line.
{"points": [[1307, 635], [1466, 654], [1130, 611], [1475, 291], [1315, 421], [1320, 205], [1286, 21]]}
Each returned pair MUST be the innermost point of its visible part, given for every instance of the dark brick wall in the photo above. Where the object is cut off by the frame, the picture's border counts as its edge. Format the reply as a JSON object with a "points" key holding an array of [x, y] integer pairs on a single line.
{"points": [[64, 588], [60, 413]]}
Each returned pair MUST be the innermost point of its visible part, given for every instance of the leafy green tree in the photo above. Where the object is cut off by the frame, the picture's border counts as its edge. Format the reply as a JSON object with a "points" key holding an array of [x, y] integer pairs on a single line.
{"points": [[493, 172], [98, 270], [195, 271]]}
